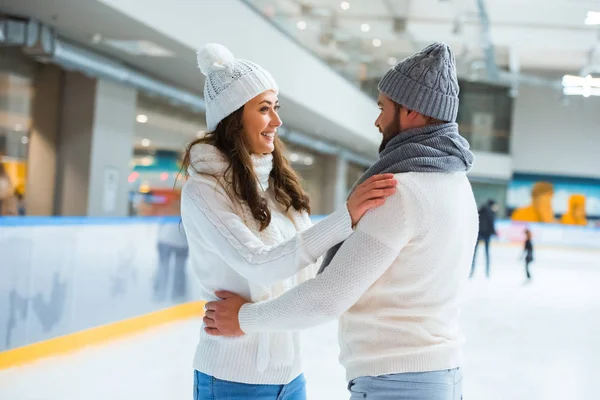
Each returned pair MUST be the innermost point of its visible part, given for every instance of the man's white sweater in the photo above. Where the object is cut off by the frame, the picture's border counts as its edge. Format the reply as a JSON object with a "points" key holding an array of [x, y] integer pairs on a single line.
{"points": [[395, 282]]}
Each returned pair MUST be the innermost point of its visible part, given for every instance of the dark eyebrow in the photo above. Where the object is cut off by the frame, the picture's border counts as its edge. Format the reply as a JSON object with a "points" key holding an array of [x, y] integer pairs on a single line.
{"points": [[269, 102]]}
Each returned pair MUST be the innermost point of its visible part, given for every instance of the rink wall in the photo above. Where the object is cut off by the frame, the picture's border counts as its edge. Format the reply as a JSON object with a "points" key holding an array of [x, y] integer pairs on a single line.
{"points": [[67, 282], [549, 235]]}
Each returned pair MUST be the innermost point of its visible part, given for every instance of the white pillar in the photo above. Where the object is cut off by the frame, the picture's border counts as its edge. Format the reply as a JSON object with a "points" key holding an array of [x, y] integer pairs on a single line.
{"points": [[341, 184], [335, 183], [41, 159], [95, 147]]}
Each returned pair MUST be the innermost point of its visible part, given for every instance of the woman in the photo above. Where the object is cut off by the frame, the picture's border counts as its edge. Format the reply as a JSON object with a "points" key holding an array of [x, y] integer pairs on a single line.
{"points": [[246, 219]]}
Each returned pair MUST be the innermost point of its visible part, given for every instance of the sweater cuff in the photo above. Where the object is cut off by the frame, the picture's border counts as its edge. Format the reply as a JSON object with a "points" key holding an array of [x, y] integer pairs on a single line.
{"points": [[247, 317], [332, 230]]}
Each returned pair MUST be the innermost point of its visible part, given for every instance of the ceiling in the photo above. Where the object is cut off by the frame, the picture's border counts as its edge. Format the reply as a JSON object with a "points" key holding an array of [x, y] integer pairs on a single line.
{"points": [[547, 38], [83, 22], [533, 36]]}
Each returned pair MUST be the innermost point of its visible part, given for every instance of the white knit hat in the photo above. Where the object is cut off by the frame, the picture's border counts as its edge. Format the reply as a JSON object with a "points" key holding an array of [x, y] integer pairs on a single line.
{"points": [[230, 83]]}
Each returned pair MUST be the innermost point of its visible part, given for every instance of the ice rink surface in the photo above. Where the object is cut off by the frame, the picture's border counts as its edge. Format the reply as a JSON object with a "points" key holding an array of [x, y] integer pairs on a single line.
{"points": [[523, 341]]}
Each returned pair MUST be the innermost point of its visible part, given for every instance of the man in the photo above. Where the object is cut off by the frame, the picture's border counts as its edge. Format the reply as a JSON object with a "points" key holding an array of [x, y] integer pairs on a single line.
{"points": [[487, 229], [395, 282]]}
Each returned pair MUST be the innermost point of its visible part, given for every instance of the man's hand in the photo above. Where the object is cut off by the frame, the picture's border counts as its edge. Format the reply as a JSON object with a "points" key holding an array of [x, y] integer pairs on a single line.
{"points": [[221, 317]]}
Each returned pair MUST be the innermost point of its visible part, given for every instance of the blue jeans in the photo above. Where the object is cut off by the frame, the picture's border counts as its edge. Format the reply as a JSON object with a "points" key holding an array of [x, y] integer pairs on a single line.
{"points": [[207, 387], [434, 385]]}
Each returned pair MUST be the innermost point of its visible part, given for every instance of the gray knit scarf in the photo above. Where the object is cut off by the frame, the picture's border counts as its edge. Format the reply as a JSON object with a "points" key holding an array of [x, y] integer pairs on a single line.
{"points": [[432, 148]]}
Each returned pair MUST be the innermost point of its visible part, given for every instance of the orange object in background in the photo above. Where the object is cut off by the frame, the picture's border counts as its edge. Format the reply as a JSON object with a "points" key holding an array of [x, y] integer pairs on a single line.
{"points": [[17, 172], [576, 213], [540, 209], [168, 206]]}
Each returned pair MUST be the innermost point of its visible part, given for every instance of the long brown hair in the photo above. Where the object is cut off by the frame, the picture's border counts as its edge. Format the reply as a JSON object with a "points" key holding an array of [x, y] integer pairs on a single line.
{"points": [[240, 176]]}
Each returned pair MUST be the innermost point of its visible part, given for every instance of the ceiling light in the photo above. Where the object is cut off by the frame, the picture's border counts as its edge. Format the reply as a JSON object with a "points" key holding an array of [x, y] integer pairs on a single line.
{"points": [[392, 61], [365, 27], [139, 47], [578, 86], [376, 42], [24, 140], [294, 157], [146, 142], [141, 118], [345, 5], [97, 38], [571, 81], [581, 91], [301, 25], [308, 161], [593, 18]]}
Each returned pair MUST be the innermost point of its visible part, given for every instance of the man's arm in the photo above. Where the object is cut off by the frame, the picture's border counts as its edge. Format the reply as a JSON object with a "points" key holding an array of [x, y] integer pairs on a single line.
{"points": [[360, 262]]}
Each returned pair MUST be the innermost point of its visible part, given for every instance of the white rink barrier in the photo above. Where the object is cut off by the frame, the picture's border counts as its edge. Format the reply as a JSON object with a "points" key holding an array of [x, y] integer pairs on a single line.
{"points": [[60, 275], [558, 235]]}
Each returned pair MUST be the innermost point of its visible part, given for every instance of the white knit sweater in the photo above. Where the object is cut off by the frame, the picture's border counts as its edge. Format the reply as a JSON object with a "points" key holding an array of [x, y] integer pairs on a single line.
{"points": [[395, 282], [227, 252]]}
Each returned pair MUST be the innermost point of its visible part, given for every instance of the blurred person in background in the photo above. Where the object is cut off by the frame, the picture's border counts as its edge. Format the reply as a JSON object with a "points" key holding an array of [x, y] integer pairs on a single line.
{"points": [[487, 229], [172, 247], [8, 201], [20, 203], [246, 217], [575, 215], [395, 282], [528, 254], [540, 209]]}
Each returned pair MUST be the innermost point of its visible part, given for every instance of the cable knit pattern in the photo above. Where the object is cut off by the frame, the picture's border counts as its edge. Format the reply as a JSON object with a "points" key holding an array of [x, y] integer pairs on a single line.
{"points": [[425, 82], [230, 83], [227, 251], [394, 283]]}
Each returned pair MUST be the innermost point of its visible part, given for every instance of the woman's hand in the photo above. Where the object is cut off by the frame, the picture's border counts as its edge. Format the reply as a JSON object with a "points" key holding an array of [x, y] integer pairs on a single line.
{"points": [[370, 194]]}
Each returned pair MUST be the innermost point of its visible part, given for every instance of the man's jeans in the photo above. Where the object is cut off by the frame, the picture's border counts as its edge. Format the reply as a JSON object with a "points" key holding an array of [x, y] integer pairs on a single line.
{"points": [[210, 388], [434, 385]]}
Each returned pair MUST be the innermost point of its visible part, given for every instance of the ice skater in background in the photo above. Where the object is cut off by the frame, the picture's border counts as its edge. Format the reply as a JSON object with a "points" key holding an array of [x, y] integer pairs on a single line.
{"points": [[487, 229], [172, 246], [528, 253]]}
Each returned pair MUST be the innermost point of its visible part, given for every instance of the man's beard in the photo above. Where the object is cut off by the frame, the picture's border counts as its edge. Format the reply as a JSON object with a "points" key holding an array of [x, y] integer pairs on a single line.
{"points": [[391, 131], [384, 143]]}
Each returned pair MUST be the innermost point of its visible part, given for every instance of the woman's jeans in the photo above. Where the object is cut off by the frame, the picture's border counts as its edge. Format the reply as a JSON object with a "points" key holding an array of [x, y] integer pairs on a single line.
{"points": [[207, 387], [434, 385]]}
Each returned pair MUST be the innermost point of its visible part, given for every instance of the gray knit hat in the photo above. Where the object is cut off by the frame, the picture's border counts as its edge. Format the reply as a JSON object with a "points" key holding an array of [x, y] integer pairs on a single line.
{"points": [[425, 82]]}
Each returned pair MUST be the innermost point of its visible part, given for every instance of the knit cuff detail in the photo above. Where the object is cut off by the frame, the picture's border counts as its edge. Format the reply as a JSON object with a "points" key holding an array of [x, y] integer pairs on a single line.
{"points": [[247, 318]]}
